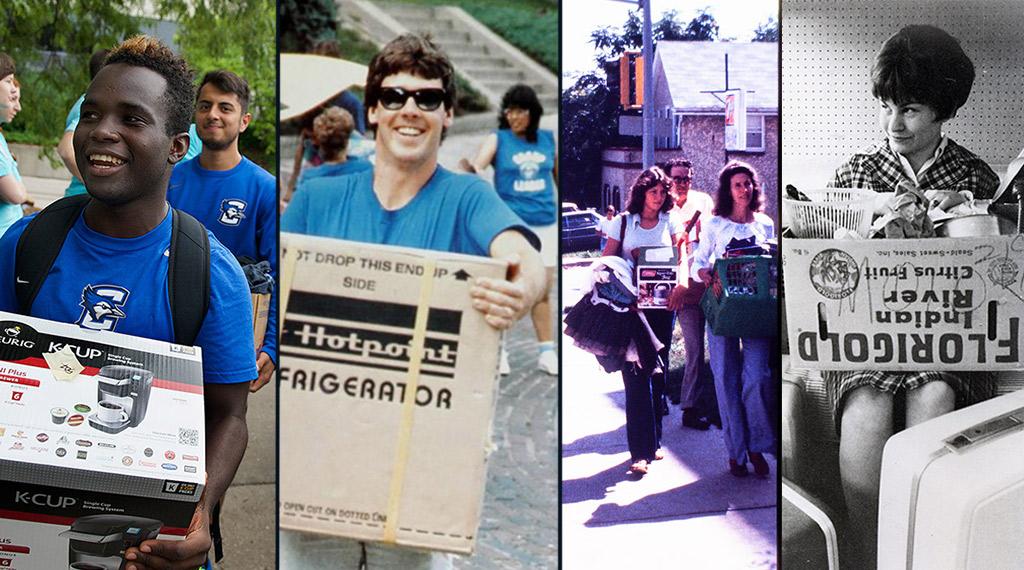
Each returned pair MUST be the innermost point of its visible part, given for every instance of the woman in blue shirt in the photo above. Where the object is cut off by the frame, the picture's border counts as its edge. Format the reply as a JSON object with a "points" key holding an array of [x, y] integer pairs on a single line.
{"points": [[525, 164]]}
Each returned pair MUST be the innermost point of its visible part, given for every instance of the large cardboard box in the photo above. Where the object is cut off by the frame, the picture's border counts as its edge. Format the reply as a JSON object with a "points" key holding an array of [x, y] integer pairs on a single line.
{"points": [[916, 304], [101, 443], [376, 444]]}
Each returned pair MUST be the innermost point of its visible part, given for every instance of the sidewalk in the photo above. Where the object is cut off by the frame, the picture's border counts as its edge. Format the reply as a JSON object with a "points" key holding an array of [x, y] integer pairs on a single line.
{"points": [[688, 512]]}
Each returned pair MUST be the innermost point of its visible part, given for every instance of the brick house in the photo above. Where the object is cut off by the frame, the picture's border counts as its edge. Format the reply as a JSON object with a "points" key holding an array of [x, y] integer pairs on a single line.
{"points": [[691, 121]]}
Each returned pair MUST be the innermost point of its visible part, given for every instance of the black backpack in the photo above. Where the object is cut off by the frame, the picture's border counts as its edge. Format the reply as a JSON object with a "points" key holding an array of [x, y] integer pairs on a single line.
{"points": [[188, 272]]}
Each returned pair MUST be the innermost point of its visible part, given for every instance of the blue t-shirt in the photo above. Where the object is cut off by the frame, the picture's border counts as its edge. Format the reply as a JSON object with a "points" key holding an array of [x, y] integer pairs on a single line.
{"points": [[195, 146], [9, 213], [524, 176], [240, 207], [452, 212], [326, 170], [120, 285]]}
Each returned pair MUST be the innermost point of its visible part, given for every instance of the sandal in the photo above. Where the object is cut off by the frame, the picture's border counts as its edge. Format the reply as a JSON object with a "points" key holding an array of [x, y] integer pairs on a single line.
{"points": [[639, 467], [760, 465]]}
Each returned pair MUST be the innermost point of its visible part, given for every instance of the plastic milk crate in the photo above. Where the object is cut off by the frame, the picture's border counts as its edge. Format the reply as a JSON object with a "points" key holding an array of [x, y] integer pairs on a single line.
{"points": [[742, 299]]}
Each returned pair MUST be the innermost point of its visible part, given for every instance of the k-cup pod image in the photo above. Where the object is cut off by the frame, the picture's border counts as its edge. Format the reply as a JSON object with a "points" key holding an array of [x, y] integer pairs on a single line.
{"points": [[76, 420], [58, 415]]}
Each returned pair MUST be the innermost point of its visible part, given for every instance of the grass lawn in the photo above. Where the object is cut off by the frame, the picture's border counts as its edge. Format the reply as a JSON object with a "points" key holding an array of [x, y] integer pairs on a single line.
{"points": [[530, 25]]}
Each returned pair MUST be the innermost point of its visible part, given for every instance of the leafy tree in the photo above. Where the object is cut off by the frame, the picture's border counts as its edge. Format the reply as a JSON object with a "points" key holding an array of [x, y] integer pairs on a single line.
{"points": [[236, 35], [51, 40], [303, 23], [612, 42], [767, 32], [590, 114]]}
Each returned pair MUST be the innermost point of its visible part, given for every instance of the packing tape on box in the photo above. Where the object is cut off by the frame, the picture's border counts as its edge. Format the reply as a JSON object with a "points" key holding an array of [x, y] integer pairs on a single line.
{"points": [[419, 334], [288, 261]]}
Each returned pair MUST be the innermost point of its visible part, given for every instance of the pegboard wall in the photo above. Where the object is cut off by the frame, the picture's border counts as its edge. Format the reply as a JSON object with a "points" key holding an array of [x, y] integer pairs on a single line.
{"points": [[828, 48]]}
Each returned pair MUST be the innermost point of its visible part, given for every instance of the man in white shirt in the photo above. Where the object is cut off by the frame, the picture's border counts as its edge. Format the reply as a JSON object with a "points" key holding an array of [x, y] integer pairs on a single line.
{"points": [[605, 223], [691, 318]]}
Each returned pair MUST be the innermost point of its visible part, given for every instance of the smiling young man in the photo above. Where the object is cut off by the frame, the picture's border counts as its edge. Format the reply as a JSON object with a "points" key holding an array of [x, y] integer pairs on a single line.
{"points": [[66, 145], [132, 131], [921, 77], [407, 199], [230, 194]]}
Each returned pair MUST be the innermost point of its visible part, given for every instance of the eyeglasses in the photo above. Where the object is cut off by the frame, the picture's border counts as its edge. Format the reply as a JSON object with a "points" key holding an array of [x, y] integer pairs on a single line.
{"points": [[516, 111], [394, 98], [681, 179]]}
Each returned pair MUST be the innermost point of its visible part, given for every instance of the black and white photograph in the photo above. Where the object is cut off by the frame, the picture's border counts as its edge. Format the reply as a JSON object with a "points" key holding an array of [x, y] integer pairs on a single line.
{"points": [[902, 285]]}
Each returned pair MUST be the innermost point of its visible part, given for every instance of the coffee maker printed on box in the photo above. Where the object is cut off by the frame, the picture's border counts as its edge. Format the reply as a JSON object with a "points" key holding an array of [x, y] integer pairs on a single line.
{"points": [[123, 396], [98, 542]]}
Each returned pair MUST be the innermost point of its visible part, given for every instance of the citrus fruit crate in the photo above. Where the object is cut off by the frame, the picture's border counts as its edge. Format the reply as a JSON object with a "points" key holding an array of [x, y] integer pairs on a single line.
{"points": [[743, 297]]}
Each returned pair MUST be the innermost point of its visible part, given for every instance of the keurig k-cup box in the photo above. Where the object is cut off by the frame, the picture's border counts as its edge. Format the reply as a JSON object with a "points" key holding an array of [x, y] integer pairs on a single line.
{"points": [[101, 443], [657, 271], [388, 386]]}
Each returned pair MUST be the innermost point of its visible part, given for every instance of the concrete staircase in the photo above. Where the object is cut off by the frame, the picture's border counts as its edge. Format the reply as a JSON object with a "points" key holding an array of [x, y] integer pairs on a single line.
{"points": [[488, 62]]}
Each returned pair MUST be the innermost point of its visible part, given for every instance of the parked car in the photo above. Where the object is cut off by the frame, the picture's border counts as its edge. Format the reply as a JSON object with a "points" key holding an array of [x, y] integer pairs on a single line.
{"points": [[570, 207], [579, 231]]}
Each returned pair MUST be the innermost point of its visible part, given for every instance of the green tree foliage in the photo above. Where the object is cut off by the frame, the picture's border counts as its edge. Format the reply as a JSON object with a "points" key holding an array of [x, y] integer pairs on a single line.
{"points": [[303, 23], [767, 32], [590, 110], [612, 42], [237, 35], [51, 40], [589, 121]]}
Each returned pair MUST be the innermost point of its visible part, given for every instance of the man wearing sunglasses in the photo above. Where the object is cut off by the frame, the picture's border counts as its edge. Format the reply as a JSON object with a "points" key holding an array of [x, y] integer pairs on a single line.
{"points": [[691, 317], [408, 200]]}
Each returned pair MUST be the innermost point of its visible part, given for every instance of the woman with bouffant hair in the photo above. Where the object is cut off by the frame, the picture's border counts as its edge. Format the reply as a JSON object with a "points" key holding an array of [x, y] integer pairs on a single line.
{"points": [[742, 377]]}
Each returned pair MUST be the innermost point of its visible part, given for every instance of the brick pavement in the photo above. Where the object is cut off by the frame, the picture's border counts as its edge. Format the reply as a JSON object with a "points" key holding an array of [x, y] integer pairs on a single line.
{"points": [[520, 517]]}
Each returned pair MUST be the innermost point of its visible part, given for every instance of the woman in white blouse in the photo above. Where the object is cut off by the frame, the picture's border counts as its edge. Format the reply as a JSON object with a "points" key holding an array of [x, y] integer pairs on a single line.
{"points": [[647, 223], [742, 378]]}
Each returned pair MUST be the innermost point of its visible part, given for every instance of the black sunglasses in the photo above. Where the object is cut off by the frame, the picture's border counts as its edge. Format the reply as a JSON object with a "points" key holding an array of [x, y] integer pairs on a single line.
{"points": [[394, 98], [681, 179]]}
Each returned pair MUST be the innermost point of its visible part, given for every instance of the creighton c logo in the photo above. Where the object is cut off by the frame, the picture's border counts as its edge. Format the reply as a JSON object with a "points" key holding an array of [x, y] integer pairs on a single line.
{"points": [[232, 212], [101, 306]]}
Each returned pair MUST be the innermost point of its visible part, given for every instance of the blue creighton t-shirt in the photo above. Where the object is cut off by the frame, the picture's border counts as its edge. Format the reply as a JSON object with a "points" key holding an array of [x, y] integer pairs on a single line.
{"points": [[240, 207], [459, 213], [120, 285], [524, 176]]}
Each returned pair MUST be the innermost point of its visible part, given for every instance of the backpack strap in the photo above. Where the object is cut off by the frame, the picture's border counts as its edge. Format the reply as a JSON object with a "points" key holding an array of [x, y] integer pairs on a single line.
{"points": [[188, 258], [190, 297], [40, 244]]}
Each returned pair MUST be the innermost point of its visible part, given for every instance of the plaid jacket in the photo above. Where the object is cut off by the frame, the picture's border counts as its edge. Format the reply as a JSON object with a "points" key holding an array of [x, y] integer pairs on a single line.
{"points": [[878, 168]]}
